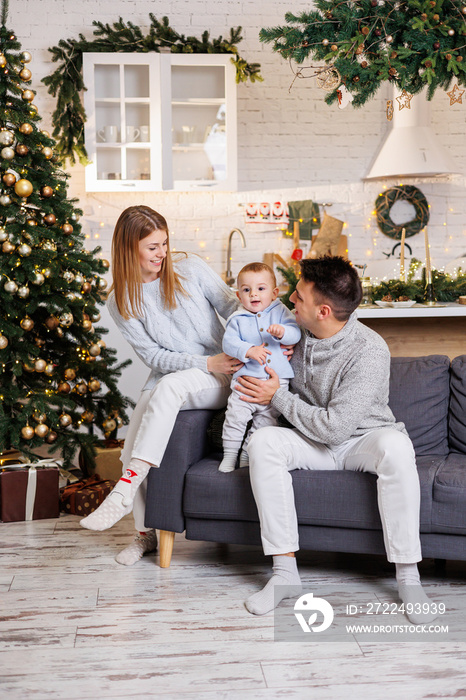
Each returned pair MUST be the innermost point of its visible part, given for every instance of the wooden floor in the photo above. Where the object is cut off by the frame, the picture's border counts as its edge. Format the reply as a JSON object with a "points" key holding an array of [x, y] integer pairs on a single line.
{"points": [[75, 625]]}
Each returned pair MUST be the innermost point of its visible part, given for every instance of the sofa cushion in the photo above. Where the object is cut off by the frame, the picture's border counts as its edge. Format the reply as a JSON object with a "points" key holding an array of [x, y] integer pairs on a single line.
{"points": [[330, 498], [458, 404], [419, 397], [449, 496]]}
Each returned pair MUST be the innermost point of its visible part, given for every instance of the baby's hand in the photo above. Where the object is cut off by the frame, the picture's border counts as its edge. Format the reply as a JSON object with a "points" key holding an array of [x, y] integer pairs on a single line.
{"points": [[276, 330], [258, 353]]}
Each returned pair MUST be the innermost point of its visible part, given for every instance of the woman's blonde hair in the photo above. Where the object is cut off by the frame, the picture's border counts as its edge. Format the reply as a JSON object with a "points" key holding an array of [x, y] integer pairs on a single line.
{"points": [[134, 224]]}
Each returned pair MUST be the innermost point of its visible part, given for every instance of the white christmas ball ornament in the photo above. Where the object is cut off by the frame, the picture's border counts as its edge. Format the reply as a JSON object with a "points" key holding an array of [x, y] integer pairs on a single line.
{"points": [[7, 153], [11, 287], [6, 138], [38, 279]]}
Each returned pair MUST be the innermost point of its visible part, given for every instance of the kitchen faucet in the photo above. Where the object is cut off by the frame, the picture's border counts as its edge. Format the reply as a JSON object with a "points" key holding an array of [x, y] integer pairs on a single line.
{"points": [[229, 279]]}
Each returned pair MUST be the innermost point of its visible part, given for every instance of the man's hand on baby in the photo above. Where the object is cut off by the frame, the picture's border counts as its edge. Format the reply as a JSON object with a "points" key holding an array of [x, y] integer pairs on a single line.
{"points": [[276, 330], [255, 390], [258, 353]]}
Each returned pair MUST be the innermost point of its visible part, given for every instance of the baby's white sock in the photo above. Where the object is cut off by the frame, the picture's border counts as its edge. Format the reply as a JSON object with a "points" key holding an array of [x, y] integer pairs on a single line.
{"points": [[143, 542], [243, 459], [286, 576], [228, 462]]}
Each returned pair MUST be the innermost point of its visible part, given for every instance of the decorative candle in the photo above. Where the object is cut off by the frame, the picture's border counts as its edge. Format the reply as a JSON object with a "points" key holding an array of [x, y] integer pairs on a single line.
{"points": [[428, 268], [402, 255]]}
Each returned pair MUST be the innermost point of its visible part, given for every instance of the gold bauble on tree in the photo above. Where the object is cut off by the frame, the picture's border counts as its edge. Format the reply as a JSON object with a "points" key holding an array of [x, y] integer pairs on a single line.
{"points": [[94, 385], [81, 388], [67, 229], [40, 365], [25, 74], [9, 179], [49, 368], [2, 61], [27, 95], [23, 188], [51, 437], [50, 219], [64, 388], [3, 342], [26, 128], [46, 191], [41, 430], [47, 152], [27, 324], [25, 57], [70, 374], [87, 416], [65, 420], [22, 149], [94, 350], [52, 322], [27, 432], [109, 425]]}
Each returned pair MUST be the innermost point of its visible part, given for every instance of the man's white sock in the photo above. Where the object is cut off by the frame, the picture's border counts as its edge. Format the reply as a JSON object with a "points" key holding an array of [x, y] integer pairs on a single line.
{"points": [[286, 577], [418, 608]]}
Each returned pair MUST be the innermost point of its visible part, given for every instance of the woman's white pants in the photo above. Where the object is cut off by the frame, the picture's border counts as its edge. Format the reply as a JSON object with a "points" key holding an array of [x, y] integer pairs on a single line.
{"points": [[388, 453], [155, 414]]}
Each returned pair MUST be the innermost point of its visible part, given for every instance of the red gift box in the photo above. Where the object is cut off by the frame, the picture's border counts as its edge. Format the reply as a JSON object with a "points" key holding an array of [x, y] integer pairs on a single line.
{"points": [[29, 492], [83, 497]]}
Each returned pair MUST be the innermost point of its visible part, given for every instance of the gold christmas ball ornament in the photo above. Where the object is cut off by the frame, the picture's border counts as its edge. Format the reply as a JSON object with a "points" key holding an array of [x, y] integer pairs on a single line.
{"points": [[5, 200], [68, 276], [79, 279], [22, 149], [67, 229], [11, 287], [64, 388], [87, 417], [47, 152], [86, 288], [31, 222], [3, 342], [105, 263], [94, 385], [69, 374], [65, 420], [27, 432], [7, 153], [6, 137], [39, 417], [9, 179], [101, 343], [23, 188], [41, 430], [26, 129], [51, 437], [38, 279], [27, 324], [87, 325], [66, 319], [334, 47], [81, 388], [49, 368], [3, 234], [50, 219], [8, 247], [71, 296], [102, 283], [389, 39], [25, 57], [45, 132], [365, 31], [2, 61], [109, 425], [39, 365], [94, 350], [46, 191], [52, 322], [25, 74], [325, 42], [451, 32], [24, 250], [95, 317], [27, 95], [23, 292]]}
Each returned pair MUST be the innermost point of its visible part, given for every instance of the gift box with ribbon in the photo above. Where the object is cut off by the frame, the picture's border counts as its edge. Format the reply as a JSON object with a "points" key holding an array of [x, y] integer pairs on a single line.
{"points": [[107, 460], [84, 496], [29, 490]]}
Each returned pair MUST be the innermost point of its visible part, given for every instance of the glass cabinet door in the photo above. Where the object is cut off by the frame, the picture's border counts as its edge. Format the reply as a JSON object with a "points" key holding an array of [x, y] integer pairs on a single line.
{"points": [[160, 122], [123, 129], [203, 122]]}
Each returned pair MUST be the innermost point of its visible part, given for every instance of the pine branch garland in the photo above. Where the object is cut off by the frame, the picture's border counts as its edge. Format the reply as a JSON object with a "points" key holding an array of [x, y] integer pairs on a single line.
{"points": [[66, 82]]}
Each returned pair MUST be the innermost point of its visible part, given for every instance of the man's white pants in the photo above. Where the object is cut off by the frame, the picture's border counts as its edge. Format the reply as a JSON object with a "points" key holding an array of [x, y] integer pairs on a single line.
{"points": [[155, 414], [388, 453]]}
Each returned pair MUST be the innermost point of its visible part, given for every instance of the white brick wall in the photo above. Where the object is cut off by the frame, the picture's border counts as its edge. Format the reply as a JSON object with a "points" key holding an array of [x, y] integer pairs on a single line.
{"points": [[291, 145]]}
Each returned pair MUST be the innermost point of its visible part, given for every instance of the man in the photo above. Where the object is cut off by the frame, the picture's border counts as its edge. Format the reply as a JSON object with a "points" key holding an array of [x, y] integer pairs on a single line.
{"points": [[338, 405]]}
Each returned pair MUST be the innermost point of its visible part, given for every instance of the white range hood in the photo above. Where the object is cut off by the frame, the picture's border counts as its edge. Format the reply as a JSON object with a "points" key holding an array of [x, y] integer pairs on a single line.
{"points": [[411, 148]]}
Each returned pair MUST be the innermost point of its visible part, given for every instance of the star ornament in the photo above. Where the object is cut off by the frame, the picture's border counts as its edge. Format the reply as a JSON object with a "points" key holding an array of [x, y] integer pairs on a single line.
{"points": [[404, 100], [456, 95]]}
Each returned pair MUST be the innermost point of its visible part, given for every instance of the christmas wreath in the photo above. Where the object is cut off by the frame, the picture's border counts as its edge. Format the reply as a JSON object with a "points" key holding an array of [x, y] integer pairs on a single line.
{"points": [[385, 202]]}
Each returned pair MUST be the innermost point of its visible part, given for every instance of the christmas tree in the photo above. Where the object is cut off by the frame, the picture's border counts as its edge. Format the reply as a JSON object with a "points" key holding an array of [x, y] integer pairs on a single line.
{"points": [[362, 43], [57, 377]]}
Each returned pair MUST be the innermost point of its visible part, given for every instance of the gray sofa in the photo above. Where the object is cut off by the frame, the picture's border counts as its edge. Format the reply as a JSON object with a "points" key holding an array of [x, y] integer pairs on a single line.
{"points": [[337, 510]]}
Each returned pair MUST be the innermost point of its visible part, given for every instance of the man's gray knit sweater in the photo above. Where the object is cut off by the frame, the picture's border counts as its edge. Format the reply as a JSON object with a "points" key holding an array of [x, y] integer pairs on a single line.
{"points": [[169, 341], [340, 388]]}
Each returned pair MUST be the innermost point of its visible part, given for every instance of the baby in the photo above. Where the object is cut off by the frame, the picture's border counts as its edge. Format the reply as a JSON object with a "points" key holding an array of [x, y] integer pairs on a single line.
{"points": [[253, 335]]}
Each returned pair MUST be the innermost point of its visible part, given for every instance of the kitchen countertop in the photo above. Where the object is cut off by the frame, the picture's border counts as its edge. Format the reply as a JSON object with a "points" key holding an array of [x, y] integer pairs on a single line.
{"points": [[441, 309]]}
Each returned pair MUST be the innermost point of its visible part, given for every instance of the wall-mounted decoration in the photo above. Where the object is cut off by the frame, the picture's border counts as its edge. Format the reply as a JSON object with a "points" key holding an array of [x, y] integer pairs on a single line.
{"points": [[385, 202]]}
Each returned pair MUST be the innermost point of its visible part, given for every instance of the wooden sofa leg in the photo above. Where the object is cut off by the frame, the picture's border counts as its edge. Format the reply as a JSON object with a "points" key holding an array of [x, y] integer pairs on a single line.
{"points": [[167, 539]]}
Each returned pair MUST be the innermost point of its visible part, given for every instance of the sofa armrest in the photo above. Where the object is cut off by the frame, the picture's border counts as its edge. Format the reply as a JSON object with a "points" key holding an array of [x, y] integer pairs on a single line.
{"points": [[187, 445]]}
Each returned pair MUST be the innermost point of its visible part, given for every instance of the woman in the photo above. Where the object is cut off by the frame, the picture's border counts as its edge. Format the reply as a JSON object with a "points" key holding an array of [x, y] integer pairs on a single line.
{"points": [[167, 310]]}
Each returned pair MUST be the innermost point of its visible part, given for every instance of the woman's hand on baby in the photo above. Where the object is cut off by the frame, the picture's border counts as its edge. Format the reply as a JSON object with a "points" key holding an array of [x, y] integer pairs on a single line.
{"points": [[258, 353], [223, 364], [276, 330]]}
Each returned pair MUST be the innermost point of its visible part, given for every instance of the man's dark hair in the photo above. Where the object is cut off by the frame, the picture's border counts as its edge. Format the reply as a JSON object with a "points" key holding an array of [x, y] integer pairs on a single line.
{"points": [[336, 283]]}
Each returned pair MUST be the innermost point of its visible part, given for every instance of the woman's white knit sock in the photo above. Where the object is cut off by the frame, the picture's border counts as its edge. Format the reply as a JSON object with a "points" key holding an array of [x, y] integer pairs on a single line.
{"points": [[285, 583], [228, 462], [120, 501], [418, 608], [143, 543]]}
